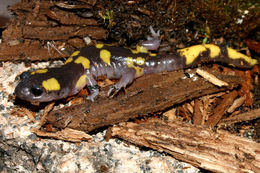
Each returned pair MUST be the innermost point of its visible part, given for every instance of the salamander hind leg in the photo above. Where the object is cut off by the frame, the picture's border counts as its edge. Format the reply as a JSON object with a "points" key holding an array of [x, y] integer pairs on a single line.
{"points": [[127, 78]]}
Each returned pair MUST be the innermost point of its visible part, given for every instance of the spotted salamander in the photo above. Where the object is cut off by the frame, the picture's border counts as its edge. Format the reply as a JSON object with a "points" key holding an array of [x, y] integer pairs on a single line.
{"points": [[83, 67]]}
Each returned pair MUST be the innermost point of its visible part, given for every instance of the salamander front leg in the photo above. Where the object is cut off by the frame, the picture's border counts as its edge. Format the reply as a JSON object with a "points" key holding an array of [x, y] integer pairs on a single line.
{"points": [[93, 88], [94, 91], [152, 43], [127, 78]]}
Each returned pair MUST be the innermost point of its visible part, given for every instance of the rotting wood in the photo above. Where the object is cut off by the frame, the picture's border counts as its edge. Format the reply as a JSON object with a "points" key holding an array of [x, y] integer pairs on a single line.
{"points": [[28, 50], [66, 134], [46, 110], [21, 112], [149, 94], [69, 18], [63, 32], [247, 116], [198, 117], [200, 146], [37, 23], [237, 103], [221, 108]]}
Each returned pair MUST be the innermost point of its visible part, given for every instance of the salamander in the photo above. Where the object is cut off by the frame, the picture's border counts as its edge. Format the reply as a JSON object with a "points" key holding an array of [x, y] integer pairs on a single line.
{"points": [[84, 66]]}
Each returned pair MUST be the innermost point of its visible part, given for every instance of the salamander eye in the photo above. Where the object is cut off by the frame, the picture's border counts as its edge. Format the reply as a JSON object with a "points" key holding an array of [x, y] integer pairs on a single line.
{"points": [[24, 75], [37, 90]]}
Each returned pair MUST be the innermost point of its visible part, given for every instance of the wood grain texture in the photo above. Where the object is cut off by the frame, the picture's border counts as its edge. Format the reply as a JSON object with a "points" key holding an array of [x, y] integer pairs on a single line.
{"points": [[217, 151]]}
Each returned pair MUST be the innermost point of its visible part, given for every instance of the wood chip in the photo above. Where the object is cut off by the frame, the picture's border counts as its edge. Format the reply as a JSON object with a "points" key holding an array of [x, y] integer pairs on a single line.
{"points": [[23, 112], [211, 78], [46, 110], [247, 116], [221, 108], [170, 115], [66, 134], [198, 116], [237, 103]]}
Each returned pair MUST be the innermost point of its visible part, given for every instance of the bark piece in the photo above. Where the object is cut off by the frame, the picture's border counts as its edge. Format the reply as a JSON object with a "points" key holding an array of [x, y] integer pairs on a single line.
{"points": [[36, 24], [237, 103], [198, 117], [69, 18], [215, 151], [66, 134], [148, 94], [62, 32], [247, 116], [221, 108], [28, 50]]}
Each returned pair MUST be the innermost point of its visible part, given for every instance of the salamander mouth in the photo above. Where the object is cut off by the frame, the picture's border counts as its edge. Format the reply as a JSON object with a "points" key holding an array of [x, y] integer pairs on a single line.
{"points": [[21, 92]]}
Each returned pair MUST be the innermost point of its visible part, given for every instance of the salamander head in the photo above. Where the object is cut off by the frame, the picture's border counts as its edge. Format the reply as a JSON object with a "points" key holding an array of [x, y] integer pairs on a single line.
{"points": [[39, 88]]}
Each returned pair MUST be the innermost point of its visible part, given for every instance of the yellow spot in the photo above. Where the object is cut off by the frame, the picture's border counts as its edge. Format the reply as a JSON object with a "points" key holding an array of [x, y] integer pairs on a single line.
{"points": [[139, 49], [191, 53], [139, 71], [84, 61], [39, 71], [81, 82], [68, 60], [99, 46], [134, 51], [105, 55], [233, 54], [140, 61], [51, 84], [214, 50], [129, 62], [75, 53], [152, 54], [71, 57]]}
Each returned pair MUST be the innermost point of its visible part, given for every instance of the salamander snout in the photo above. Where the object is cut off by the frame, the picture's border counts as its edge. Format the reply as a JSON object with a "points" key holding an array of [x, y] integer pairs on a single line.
{"points": [[26, 90]]}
